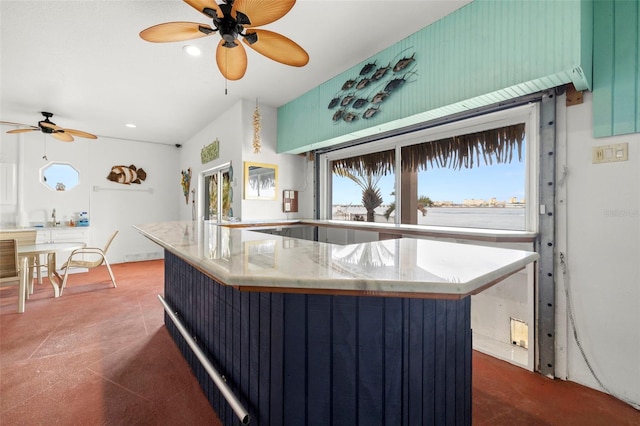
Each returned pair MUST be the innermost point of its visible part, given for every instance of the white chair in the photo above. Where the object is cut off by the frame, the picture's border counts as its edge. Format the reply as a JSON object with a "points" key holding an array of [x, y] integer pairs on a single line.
{"points": [[13, 271], [96, 257]]}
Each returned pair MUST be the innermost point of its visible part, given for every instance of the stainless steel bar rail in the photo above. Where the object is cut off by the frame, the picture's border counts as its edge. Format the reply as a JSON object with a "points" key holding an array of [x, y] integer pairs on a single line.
{"points": [[219, 381]]}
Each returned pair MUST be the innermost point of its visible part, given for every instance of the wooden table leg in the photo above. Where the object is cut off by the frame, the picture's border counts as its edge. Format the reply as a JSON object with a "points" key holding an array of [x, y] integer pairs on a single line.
{"points": [[38, 271], [23, 287], [54, 277], [34, 263]]}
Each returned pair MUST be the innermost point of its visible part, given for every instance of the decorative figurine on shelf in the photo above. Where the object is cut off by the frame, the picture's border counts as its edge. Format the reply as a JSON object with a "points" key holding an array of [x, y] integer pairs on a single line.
{"points": [[186, 184]]}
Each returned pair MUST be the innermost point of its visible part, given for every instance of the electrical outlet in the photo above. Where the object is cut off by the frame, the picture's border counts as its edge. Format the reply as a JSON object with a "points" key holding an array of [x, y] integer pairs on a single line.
{"points": [[610, 153]]}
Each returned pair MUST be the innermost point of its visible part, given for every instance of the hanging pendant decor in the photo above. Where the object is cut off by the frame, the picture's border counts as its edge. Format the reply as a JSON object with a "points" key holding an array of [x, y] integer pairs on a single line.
{"points": [[257, 125], [186, 184]]}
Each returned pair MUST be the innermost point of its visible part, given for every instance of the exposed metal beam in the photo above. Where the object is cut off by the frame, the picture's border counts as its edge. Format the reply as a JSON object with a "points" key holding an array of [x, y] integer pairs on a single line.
{"points": [[546, 241]]}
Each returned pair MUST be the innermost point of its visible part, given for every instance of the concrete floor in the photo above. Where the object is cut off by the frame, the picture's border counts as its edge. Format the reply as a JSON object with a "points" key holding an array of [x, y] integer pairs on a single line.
{"points": [[101, 356]]}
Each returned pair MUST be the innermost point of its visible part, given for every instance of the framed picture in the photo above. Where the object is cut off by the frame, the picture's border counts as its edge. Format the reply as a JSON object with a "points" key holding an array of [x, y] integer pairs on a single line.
{"points": [[260, 181]]}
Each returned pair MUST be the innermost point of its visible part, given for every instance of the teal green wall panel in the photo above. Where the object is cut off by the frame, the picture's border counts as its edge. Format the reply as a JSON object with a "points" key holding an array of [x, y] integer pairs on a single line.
{"points": [[616, 78], [485, 52]]}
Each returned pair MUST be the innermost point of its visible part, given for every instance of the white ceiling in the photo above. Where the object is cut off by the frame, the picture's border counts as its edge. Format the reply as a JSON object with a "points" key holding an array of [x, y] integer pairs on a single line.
{"points": [[84, 61]]}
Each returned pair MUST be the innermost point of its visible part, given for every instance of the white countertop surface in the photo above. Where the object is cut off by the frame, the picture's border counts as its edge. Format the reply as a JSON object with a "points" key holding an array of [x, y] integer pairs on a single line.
{"points": [[405, 267]]}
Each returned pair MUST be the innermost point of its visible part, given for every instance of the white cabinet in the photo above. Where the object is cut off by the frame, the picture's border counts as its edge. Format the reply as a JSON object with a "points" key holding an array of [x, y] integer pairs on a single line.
{"points": [[64, 235]]}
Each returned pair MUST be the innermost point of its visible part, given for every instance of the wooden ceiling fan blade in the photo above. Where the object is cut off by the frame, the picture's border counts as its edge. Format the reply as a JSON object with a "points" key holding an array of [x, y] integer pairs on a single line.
{"points": [[175, 31], [202, 5], [11, 123], [61, 136], [80, 133], [279, 48], [232, 61], [262, 12], [22, 130]]}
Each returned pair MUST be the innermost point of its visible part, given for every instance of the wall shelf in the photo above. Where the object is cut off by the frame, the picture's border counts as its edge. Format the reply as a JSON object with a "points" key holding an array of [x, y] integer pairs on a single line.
{"points": [[102, 188]]}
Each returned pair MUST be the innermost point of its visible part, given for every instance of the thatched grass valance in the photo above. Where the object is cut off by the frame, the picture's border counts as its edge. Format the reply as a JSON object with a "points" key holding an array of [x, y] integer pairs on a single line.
{"points": [[377, 163], [495, 145], [490, 146]]}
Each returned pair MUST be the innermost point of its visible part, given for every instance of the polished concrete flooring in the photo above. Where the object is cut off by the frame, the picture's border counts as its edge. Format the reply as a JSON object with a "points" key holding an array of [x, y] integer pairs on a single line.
{"points": [[101, 356]]}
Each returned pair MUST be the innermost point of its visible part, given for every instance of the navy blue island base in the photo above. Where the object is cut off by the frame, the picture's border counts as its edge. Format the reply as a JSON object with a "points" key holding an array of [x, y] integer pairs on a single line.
{"points": [[311, 359]]}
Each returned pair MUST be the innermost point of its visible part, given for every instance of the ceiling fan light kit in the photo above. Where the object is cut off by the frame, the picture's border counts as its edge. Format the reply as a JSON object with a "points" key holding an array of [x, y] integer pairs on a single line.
{"points": [[191, 50], [48, 127], [232, 20]]}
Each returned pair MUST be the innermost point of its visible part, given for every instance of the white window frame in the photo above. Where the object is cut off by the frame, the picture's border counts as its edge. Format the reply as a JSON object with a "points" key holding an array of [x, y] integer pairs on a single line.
{"points": [[528, 114]]}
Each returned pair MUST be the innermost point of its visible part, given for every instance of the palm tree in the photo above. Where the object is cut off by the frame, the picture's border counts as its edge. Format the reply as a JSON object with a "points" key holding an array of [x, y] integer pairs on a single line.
{"points": [[423, 203], [368, 181]]}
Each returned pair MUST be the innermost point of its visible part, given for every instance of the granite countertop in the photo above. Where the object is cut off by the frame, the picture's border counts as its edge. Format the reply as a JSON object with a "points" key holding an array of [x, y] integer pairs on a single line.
{"points": [[236, 256]]}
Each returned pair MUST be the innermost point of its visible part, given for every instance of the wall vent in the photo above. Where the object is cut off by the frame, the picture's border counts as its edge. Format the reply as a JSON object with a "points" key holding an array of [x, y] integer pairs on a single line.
{"points": [[519, 333]]}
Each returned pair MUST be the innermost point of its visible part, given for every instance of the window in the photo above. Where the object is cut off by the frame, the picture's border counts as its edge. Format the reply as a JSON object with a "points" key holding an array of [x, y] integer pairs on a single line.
{"points": [[364, 187], [474, 180], [475, 173], [60, 176]]}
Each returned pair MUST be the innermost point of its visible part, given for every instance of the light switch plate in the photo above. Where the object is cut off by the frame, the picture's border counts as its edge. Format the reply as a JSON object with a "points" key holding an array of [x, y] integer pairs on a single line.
{"points": [[610, 153]]}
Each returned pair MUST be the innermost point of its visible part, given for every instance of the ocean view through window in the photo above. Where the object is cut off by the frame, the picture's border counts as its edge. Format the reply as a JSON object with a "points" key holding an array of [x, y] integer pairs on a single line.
{"points": [[477, 176]]}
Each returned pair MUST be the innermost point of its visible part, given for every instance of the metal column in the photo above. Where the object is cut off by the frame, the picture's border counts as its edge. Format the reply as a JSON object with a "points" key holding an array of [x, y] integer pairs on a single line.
{"points": [[545, 244]]}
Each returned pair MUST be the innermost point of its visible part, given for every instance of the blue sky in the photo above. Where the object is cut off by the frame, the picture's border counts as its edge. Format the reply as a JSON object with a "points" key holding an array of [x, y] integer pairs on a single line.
{"points": [[502, 181], [60, 172]]}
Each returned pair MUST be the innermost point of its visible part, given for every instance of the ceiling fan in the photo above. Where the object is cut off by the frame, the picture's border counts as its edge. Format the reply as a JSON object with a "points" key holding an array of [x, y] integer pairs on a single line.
{"points": [[50, 128], [230, 20]]}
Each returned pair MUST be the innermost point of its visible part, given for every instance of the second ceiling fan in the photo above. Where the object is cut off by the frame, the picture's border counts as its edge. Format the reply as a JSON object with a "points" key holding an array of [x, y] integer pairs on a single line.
{"points": [[230, 20], [48, 127]]}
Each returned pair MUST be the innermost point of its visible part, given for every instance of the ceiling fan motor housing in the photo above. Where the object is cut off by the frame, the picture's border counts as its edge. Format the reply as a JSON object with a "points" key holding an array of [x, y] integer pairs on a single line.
{"points": [[46, 124], [46, 129], [229, 26]]}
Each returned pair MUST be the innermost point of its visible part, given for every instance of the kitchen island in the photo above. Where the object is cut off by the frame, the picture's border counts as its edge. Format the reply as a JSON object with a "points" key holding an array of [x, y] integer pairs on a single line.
{"points": [[307, 332]]}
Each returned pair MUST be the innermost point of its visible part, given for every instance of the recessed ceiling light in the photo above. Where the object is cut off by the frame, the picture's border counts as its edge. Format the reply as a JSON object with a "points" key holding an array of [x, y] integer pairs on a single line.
{"points": [[191, 50], [131, 126]]}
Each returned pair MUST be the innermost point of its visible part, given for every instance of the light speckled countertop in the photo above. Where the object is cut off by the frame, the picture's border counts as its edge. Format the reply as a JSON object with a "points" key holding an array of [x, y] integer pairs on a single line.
{"points": [[406, 267]]}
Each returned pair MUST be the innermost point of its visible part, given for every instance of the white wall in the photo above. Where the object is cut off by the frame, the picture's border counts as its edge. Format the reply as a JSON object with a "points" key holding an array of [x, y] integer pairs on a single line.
{"points": [[234, 130], [598, 214], [291, 168], [121, 206], [117, 206], [227, 129]]}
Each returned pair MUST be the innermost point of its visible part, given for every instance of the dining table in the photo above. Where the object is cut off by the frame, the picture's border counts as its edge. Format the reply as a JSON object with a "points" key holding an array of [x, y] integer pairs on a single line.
{"points": [[50, 249]]}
